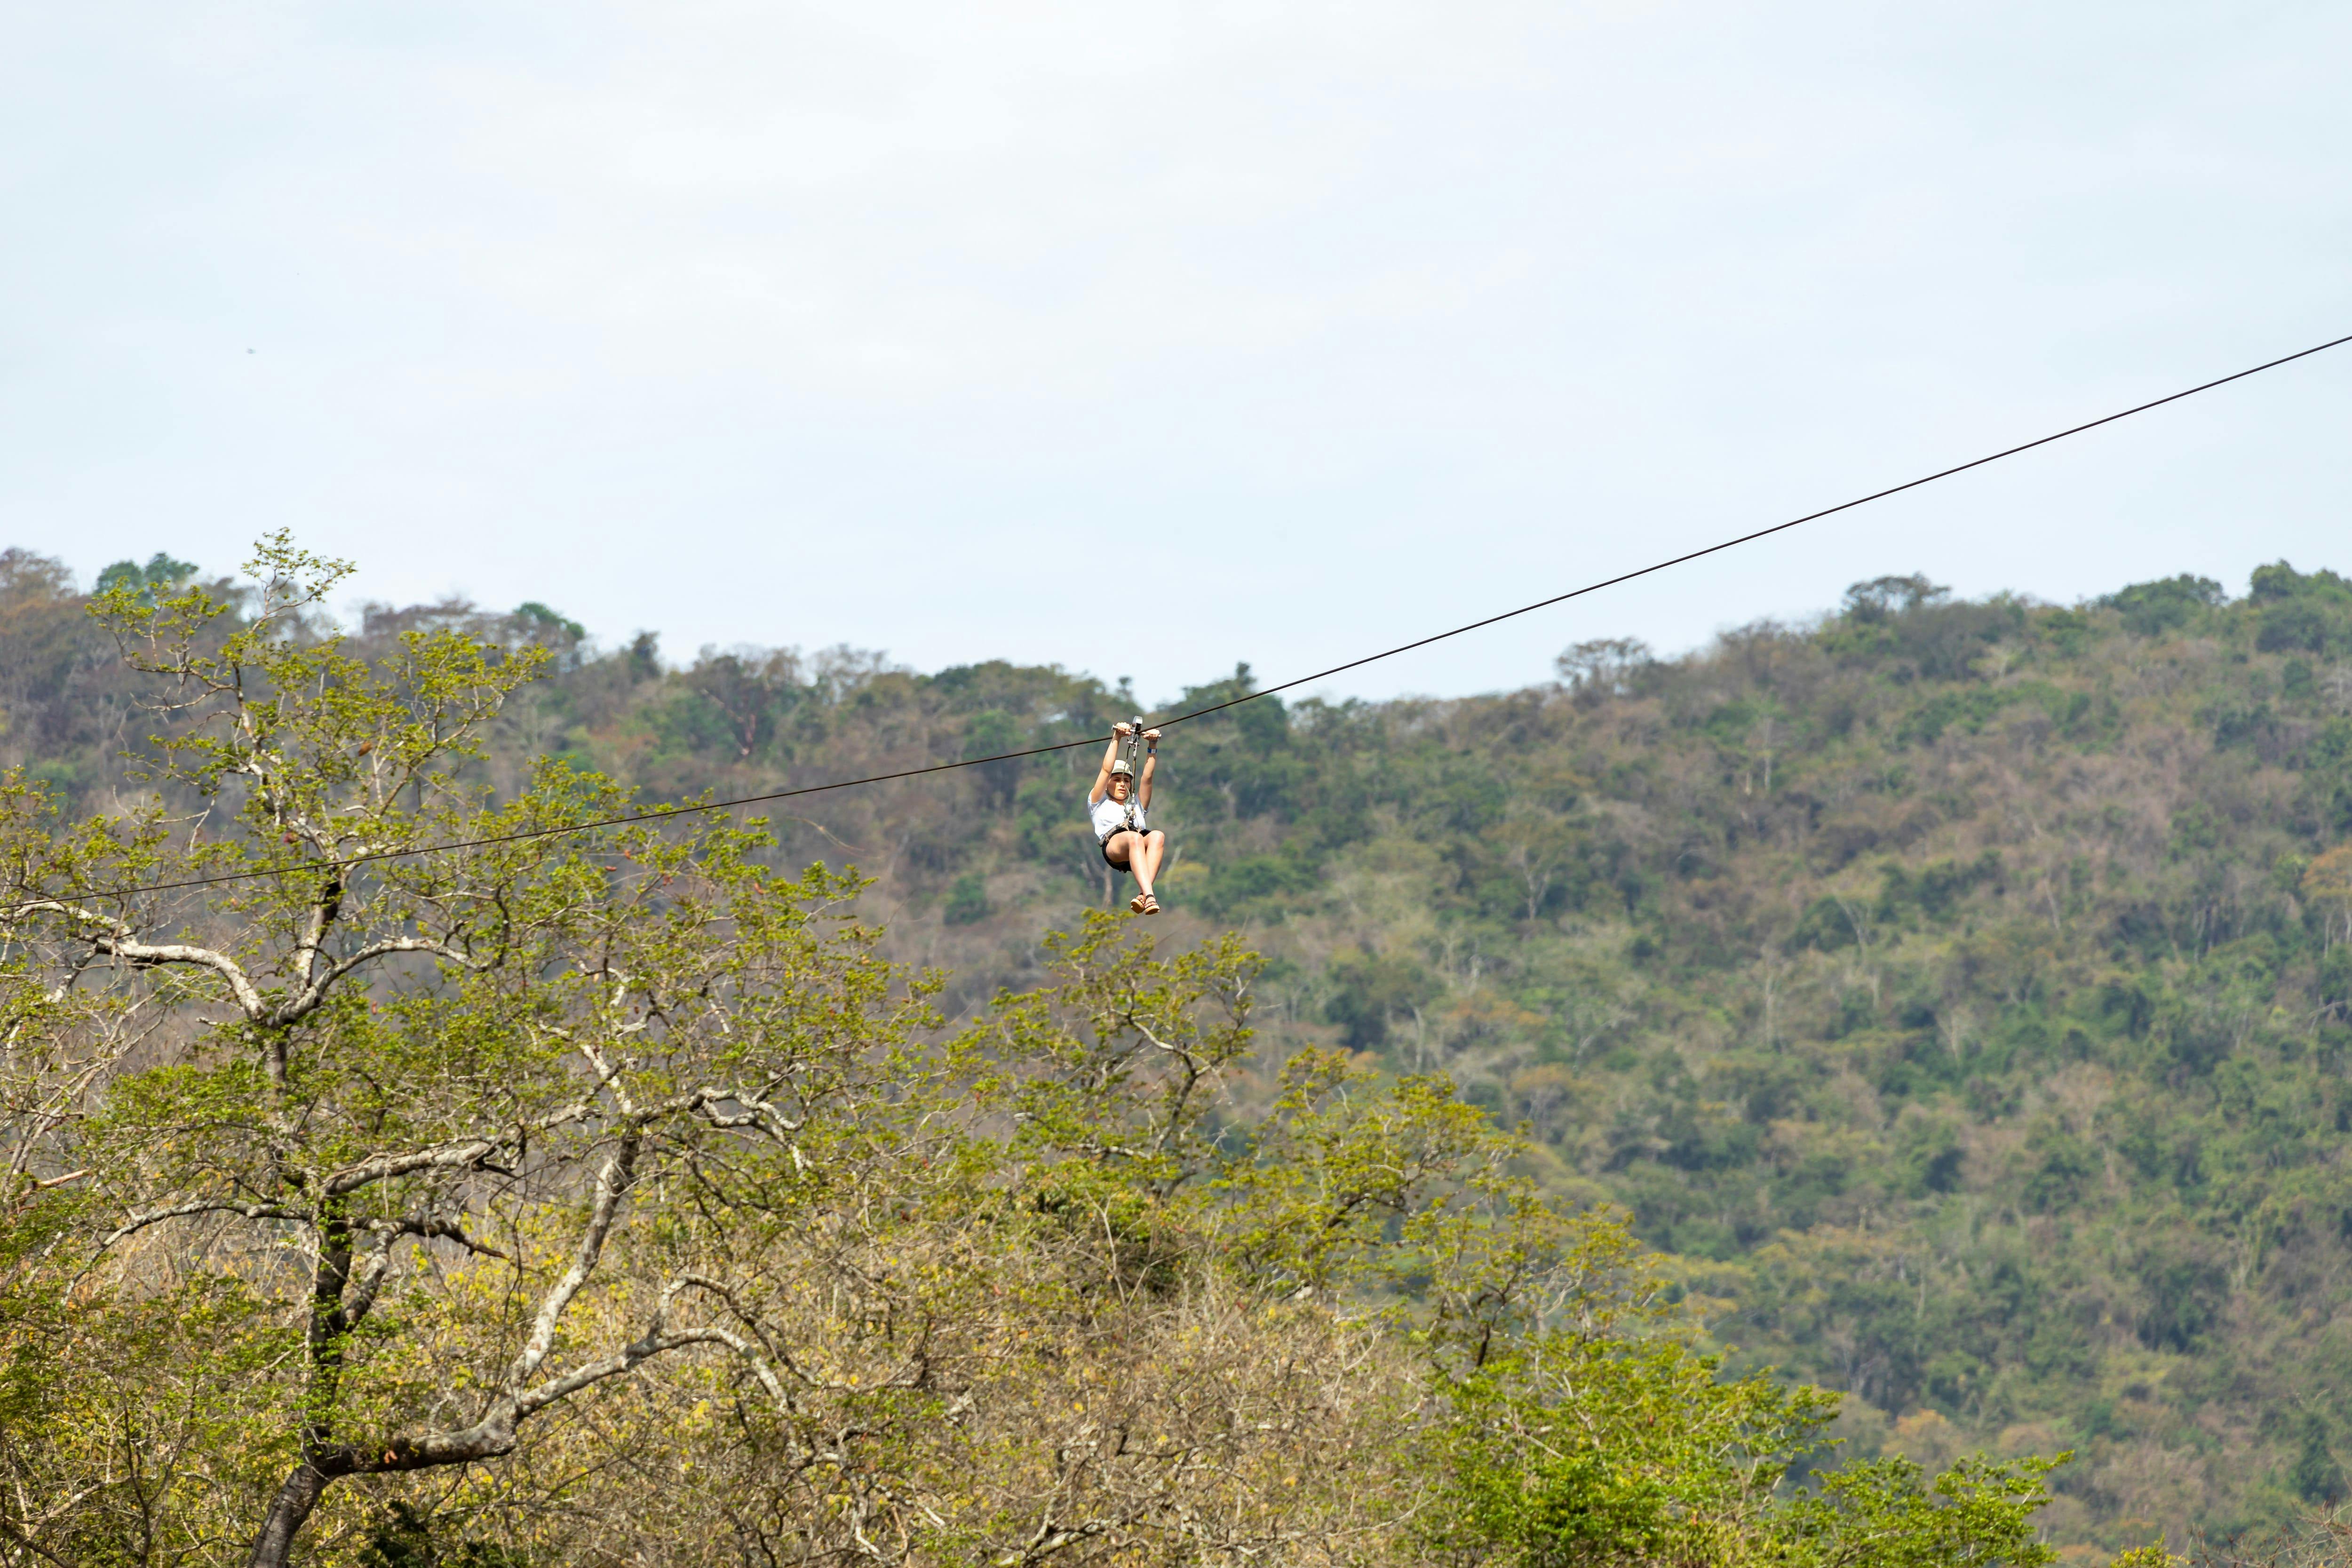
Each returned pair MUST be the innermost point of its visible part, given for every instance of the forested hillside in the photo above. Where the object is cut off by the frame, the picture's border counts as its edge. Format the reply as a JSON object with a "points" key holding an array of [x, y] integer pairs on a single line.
{"points": [[1956, 991]]}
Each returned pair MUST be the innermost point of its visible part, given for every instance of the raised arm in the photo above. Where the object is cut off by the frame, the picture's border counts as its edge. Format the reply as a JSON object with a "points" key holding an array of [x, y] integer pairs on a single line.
{"points": [[1110, 755], [1150, 761]]}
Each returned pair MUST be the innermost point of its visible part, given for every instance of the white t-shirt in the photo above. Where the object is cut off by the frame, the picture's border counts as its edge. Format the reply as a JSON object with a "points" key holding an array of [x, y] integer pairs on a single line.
{"points": [[1109, 816]]}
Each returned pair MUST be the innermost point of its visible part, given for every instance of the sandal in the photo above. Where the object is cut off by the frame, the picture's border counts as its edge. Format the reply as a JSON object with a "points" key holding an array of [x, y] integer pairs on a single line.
{"points": [[1135, 905], [1150, 905]]}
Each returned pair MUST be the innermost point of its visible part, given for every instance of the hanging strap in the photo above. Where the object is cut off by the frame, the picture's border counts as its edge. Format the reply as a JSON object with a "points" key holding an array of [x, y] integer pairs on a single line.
{"points": [[1134, 768]]}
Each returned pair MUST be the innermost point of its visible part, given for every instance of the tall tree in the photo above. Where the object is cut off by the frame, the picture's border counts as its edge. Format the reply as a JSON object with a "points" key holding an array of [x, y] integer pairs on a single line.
{"points": [[431, 1057]]}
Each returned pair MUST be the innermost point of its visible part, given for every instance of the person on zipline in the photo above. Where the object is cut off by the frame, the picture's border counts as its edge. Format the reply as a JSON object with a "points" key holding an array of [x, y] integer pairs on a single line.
{"points": [[1117, 805]]}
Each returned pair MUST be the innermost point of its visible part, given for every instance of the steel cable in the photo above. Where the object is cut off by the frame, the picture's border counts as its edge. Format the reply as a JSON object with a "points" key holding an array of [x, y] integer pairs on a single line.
{"points": [[657, 814]]}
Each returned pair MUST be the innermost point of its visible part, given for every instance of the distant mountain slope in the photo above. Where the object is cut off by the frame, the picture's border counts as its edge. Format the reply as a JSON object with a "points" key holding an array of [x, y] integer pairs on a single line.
{"points": [[1961, 988]]}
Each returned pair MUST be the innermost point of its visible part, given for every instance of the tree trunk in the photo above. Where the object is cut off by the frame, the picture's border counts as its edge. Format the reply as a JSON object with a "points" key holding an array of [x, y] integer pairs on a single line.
{"points": [[274, 1547]]}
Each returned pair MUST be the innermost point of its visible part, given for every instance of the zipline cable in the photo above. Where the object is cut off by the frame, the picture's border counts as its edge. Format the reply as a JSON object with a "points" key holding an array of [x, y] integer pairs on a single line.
{"points": [[1776, 527], [657, 814]]}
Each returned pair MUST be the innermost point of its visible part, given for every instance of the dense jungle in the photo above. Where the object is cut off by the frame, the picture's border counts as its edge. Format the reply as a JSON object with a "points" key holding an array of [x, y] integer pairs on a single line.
{"points": [[1953, 998]]}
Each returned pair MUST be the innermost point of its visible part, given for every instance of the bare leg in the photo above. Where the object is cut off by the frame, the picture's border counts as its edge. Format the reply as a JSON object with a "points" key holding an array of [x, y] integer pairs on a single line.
{"points": [[1155, 845], [1140, 860], [1128, 847], [1101, 864]]}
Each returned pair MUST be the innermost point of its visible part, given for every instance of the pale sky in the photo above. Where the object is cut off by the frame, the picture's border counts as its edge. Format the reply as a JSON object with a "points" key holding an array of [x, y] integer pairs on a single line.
{"points": [[1147, 338]]}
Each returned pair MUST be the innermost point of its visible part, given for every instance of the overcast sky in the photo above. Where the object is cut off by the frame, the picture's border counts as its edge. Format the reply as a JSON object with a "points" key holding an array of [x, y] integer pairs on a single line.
{"points": [[1147, 338]]}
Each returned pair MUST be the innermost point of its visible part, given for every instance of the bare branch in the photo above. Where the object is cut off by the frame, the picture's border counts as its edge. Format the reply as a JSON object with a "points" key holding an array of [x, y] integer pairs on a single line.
{"points": [[462, 1153], [138, 1223], [613, 1182], [315, 993], [437, 1228], [117, 942]]}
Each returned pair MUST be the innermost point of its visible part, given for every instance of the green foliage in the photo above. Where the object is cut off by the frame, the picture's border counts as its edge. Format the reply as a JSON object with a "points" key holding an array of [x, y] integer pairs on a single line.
{"points": [[1605, 1437], [2302, 612], [161, 576], [1959, 989], [1337, 1167], [1886, 1515], [406, 1538], [1106, 1068], [2315, 1477], [538, 615], [967, 901], [2151, 609], [1369, 992], [1584, 1448]]}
